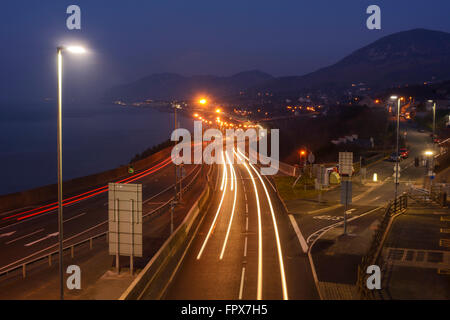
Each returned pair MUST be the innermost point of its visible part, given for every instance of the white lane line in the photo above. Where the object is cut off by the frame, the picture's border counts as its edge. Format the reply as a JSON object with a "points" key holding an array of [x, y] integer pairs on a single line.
{"points": [[245, 247], [224, 184], [7, 234], [299, 234], [241, 287], [42, 239], [233, 184], [245, 196], [246, 207], [277, 236], [246, 223], [22, 237], [81, 214]]}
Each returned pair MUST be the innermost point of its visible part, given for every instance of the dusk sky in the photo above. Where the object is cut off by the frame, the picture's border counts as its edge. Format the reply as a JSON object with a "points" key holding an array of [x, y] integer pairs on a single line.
{"points": [[131, 39]]}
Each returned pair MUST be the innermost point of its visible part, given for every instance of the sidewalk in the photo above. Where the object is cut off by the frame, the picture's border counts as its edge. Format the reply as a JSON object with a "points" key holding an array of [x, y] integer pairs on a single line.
{"points": [[417, 255], [336, 257]]}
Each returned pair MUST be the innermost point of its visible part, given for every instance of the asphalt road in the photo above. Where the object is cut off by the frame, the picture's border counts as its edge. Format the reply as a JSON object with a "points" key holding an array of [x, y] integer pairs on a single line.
{"points": [[248, 253]]}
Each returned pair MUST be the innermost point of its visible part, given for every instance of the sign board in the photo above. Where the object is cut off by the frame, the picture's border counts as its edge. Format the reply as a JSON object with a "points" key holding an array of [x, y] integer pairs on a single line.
{"points": [[346, 163], [346, 191], [125, 219]]}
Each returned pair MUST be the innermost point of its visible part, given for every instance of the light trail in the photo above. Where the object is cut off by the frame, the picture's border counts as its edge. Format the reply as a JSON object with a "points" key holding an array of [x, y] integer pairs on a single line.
{"points": [[277, 237], [224, 191], [260, 253], [233, 178], [88, 194]]}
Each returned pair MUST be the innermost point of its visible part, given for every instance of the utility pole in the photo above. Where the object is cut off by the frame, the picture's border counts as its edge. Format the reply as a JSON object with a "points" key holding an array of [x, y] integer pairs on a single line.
{"points": [[397, 160]]}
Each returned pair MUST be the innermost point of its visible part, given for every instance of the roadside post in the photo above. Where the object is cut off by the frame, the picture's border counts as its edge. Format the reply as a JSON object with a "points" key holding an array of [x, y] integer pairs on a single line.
{"points": [[346, 170], [125, 221]]}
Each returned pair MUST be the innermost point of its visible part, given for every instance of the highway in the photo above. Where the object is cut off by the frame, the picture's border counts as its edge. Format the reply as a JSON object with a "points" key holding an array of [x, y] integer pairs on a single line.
{"points": [[245, 248], [26, 231]]}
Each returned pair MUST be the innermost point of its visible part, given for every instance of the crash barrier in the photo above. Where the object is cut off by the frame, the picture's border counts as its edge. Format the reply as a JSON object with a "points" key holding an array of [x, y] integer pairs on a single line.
{"points": [[155, 277], [70, 244], [393, 209]]}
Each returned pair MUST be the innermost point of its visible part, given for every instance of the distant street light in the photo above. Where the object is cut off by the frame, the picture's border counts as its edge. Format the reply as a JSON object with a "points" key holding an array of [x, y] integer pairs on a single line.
{"points": [[59, 51], [397, 158], [202, 101]]}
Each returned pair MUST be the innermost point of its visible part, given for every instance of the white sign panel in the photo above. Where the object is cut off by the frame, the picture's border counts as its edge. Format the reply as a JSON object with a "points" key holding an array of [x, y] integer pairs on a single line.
{"points": [[125, 219], [346, 163]]}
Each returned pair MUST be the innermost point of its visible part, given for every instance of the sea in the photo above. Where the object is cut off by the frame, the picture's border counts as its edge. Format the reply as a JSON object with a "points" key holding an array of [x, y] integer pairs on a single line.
{"points": [[96, 137]]}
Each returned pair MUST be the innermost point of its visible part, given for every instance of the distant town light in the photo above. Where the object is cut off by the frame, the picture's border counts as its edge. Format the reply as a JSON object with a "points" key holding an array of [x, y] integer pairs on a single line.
{"points": [[202, 101], [218, 110], [394, 97], [428, 153], [375, 177]]}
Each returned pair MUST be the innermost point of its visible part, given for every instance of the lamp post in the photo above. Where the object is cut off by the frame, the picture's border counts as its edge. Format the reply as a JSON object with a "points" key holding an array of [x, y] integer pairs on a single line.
{"points": [[397, 158], [59, 52]]}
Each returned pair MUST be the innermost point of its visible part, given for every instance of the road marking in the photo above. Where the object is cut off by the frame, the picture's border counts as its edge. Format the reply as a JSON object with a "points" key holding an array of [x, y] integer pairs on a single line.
{"points": [[245, 196], [27, 235], [245, 247], [300, 237], [275, 229], [260, 252], [246, 207], [241, 287], [81, 214], [42, 239], [7, 234], [246, 223], [350, 211]]}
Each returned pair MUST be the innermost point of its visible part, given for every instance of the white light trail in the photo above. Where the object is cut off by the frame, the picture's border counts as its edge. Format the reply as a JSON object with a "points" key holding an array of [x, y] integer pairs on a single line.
{"points": [[277, 237], [224, 191], [233, 178]]}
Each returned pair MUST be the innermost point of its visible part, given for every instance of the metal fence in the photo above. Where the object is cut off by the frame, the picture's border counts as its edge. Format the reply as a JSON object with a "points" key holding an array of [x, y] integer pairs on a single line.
{"points": [[394, 208]]}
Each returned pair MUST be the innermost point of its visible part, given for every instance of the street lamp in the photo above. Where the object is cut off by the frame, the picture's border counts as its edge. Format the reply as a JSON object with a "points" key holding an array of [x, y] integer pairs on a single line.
{"points": [[59, 51], [397, 158]]}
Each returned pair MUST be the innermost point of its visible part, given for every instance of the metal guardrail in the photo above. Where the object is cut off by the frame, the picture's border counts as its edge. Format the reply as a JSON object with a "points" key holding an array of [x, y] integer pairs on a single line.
{"points": [[393, 209], [24, 262]]}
